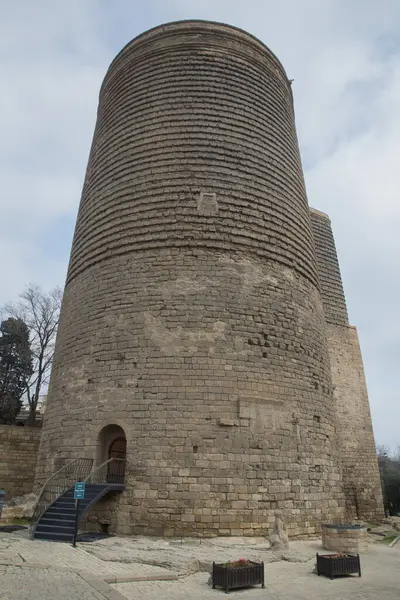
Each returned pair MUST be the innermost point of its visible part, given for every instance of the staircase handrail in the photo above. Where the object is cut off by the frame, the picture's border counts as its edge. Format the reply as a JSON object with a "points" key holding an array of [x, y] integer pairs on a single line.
{"points": [[99, 474], [58, 483]]}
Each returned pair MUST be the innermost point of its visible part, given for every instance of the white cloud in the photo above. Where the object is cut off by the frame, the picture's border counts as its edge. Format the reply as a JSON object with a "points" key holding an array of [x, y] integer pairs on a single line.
{"points": [[345, 59], [51, 68]]}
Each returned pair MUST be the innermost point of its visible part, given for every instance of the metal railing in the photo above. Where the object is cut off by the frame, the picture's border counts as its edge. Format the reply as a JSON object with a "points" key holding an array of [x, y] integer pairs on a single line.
{"points": [[61, 481], [111, 471]]}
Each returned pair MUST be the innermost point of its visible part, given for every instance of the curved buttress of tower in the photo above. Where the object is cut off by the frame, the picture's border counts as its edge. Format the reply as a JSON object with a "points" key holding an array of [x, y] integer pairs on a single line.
{"points": [[355, 437], [328, 269], [192, 318]]}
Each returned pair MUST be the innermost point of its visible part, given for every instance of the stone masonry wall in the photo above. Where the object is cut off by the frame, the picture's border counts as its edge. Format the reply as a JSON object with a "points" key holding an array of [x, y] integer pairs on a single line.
{"points": [[328, 269], [353, 419], [222, 427], [361, 478], [349, 539], [192, 316], [18, 454]]}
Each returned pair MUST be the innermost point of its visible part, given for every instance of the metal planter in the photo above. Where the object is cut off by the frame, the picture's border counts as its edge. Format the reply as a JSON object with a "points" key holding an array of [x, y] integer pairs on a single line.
{"points": [[230, 578], [332, 566]]}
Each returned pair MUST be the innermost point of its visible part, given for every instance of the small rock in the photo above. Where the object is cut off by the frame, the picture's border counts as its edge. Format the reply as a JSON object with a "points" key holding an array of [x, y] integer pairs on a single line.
{"points": [[92, 518], [23, 506], [294, 557]]}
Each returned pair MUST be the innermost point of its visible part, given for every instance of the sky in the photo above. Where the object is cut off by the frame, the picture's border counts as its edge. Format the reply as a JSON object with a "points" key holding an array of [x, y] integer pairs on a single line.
{"points": [[344, 58]]}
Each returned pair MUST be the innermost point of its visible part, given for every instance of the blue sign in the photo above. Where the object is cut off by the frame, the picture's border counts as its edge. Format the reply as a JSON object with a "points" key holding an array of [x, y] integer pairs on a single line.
{"points": [[79, 490]]}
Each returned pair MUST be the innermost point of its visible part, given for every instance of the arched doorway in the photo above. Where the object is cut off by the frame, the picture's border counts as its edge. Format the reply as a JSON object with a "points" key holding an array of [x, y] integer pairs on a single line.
{"points": [[116, 468], [112, 448]]}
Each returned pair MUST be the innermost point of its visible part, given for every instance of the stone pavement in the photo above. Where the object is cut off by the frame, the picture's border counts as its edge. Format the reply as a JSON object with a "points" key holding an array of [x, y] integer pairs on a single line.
{"points": [[18, 549], [40, 570], [21, 583], [115, 568], [289, 581]]}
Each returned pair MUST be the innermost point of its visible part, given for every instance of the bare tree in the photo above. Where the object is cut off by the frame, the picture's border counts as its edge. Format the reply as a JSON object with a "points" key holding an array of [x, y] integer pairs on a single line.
{"points": [[396, 454], [382, 451], [41, 312]]}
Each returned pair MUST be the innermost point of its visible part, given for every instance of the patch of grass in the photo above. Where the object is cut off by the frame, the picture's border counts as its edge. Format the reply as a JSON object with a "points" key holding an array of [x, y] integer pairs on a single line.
{"points": [[22, 521], [388, 539]]}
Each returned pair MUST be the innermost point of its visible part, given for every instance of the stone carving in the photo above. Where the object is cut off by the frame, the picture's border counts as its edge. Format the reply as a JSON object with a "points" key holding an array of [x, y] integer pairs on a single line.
{"points": [[278, 537]]}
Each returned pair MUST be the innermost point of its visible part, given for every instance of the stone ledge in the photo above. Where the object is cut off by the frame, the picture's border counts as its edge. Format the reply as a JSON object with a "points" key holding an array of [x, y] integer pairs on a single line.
{"points": [[136, 578], [102, 587]]}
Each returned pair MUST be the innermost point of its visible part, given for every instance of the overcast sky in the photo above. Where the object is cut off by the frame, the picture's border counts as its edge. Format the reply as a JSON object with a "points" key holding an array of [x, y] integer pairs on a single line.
{"points": [[344, 57]]}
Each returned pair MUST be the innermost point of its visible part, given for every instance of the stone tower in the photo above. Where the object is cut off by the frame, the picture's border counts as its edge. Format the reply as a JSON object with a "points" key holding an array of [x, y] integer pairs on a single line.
{"points": [[193, 325]]}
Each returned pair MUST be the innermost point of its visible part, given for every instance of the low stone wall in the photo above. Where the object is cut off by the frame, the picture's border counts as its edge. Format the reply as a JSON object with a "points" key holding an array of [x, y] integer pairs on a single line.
{"points": [[345, 538], [18, 454]]}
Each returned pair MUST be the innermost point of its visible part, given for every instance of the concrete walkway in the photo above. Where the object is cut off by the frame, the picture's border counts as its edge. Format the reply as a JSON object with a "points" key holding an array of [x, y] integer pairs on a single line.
{"points": [[40, 570], [155, 569]]}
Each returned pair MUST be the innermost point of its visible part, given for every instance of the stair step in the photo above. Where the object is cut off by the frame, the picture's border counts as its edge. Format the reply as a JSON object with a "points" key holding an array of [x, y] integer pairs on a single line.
{"points": [[88, 494], [56, 536], [71, 500], [97, 486], [65, 499], [58, 521], [53, 513], [42, 527], [49, 520]]}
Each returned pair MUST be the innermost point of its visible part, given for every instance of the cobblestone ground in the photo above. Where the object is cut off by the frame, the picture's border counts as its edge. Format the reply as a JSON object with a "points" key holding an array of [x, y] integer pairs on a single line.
{"points": [[113, 569]]}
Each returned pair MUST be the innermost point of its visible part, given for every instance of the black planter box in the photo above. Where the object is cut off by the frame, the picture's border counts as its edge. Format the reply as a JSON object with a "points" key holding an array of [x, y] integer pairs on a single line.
{"points": [[341, 565], [230, 578]]}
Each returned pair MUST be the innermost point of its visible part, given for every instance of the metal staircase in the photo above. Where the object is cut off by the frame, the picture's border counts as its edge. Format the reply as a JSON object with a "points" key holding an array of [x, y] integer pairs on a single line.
{"points": [[55, 514]]}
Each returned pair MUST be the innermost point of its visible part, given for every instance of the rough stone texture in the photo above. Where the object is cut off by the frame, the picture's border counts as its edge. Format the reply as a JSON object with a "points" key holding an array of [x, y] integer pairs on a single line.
{"points": [[195, 147], [356, 442], [355, 435], [345, 540], [192, 315], [328, 269], [18, 454]]}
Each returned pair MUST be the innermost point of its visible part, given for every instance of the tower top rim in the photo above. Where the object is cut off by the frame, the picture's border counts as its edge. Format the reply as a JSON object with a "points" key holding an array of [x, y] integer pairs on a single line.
{"points": [[197, 26], [319, 213]]}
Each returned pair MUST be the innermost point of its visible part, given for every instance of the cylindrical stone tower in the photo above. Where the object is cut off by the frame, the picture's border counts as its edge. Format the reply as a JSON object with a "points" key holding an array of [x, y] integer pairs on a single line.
{"points": [[192, 322]]}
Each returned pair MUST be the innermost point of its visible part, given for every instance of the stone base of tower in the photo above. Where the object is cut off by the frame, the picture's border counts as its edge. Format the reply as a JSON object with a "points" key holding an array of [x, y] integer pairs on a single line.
{"points": [[217, 377], [361, 480], [136, 513]]}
